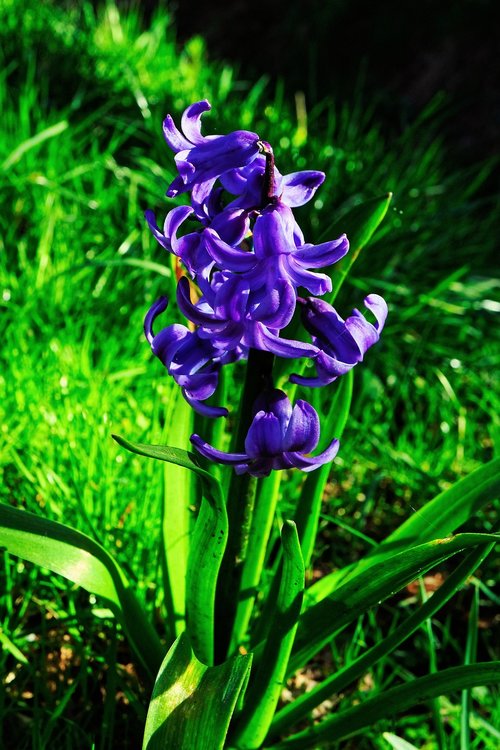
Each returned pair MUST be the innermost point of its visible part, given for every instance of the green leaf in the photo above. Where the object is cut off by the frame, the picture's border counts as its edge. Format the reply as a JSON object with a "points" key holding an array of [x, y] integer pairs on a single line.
{"points": [[401, 698], [359, 224], [439, 517], [83, 561], [266, 685], [207, 546], [192, 704], [449, 510], [470, 658], [335, 683], [321, 621], [397, 742]]}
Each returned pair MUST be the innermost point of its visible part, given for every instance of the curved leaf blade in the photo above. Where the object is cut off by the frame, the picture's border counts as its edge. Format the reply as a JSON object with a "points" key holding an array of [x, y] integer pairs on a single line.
{"points": [[299, 709], [438, 518], [359, 224], [361, 592], [309, 506], [390, 702], [192, 704], [83, 561], [450, 509]]}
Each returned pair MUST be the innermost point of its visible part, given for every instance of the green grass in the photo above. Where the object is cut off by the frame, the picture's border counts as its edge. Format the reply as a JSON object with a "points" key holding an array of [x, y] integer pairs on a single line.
{"points": [[82, 99]]}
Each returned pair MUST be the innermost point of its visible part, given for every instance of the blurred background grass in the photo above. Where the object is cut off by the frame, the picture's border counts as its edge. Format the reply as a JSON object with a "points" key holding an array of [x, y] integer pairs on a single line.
{"points": [[83, 91]]}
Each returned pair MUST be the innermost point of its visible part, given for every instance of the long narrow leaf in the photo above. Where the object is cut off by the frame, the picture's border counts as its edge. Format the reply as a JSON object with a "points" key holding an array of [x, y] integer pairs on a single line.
{"points": [[449, 510], [206, 550], [83, 561], [335, 683], [192, 704], [321, 621], [470, 658], [439, 517], [265, 688], [390, 702]]}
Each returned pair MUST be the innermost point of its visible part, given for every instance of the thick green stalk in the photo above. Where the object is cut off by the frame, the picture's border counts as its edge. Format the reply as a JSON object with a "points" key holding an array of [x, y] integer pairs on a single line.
{"points": [[240, 505], [263, 518]]}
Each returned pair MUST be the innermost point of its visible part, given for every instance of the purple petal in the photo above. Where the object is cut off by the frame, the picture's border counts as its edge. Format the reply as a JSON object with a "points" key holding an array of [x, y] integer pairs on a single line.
{"points": [[378, 306], [226, 256], [309, 382], [299, 187], [272, 235], [262, 467], [315, 283], [309, 464], [173, 136], [325, 254], [176, 186], [303, 429], [231, 299], [212, 454], [190, 311], [232, 225], [276, 402], [156, 308], [204, 409], [268, 341], [276, 306], [264, 436], [191, 121], [362, 332]]}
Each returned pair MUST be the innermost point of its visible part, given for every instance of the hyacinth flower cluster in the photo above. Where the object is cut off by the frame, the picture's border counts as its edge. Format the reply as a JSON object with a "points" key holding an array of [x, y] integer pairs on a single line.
{"points": [[247, 269]]}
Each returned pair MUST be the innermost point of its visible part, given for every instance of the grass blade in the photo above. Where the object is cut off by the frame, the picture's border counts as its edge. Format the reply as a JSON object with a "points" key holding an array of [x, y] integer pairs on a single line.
{"points": [[390, 702], [360, 592], [309, 505], [470, 658]]}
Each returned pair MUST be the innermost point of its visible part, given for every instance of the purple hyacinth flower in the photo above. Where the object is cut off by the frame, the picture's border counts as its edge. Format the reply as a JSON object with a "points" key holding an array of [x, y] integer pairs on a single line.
{"points": [[342, 343], [229, 321], [279, 252], [202, 159], [278, 438], [194, 363]]}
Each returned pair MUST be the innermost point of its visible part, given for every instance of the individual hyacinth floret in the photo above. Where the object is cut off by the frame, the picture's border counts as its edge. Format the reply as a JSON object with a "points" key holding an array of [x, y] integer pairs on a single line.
{"points": [[278, 438], [341, 343], [247, 257]]}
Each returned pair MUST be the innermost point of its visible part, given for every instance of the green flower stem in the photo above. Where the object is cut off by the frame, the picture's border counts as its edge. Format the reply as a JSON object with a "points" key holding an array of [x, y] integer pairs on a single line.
{"points": [[240, 505], [263, 517]]}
